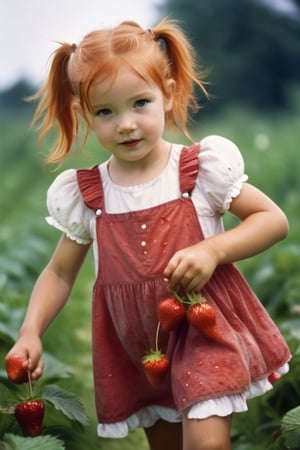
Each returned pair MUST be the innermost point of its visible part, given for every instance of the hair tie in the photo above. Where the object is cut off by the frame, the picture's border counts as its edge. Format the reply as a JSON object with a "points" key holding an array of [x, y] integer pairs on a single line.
{"points": [[151, 32], [160, 41], [73, 48], [162, 44]]}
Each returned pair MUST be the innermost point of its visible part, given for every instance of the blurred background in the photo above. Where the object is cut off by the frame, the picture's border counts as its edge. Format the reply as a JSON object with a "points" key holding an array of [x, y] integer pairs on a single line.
{"points": [[251, 51], [251, 48]]}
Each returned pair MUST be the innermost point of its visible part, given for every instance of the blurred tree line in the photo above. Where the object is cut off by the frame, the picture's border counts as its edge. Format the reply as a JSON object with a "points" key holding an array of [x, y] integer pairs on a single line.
{"points": [[252, 52], [13, 99]]}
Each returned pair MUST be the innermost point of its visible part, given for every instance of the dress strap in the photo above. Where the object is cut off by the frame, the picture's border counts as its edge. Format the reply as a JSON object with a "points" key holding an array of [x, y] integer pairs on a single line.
{"points": [[188, 167], [90, 185]]}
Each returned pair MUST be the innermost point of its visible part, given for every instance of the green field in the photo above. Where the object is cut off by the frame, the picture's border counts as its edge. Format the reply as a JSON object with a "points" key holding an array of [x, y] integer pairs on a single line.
{"points": [[270, 146]]}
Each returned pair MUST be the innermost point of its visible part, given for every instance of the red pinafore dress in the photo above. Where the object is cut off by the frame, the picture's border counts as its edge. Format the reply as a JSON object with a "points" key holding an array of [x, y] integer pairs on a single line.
{"points": [[134, 249]]}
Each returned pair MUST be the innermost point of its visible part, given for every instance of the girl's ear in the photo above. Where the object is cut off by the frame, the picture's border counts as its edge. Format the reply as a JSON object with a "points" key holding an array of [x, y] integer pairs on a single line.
{"points": [[168, 101], [77, 107]]}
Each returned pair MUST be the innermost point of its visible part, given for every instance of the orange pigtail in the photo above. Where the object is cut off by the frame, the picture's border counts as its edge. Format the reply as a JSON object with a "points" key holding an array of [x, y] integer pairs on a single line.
{"points": [[57, 104], [183, 69]]}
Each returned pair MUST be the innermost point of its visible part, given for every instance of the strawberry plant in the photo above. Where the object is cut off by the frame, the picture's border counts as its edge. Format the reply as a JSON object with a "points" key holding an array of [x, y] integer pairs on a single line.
{"points": [[15, 442], [50, 410], [41, 408], [30, 414]]}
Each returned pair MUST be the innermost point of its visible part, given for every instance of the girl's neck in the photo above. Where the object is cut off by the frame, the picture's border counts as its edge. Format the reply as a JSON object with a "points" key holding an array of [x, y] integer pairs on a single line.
{"points": [[129, 173]]}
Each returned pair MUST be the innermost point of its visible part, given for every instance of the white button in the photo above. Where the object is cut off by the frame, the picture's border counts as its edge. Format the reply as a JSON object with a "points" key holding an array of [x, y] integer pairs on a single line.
{"points": [[143, 243], [185, 195], [98, 212], [143, 226]]}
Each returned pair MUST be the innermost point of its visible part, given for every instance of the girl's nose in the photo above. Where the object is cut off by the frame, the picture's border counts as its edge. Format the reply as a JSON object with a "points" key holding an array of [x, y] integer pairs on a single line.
{"points": [[126, 123]]}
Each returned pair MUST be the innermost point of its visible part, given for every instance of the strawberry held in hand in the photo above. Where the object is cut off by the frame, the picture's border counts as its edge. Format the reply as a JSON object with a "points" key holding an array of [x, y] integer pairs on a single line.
{"points": [[201, 315], [170, 313], [16, 372], [155, 364], [30, 416]]}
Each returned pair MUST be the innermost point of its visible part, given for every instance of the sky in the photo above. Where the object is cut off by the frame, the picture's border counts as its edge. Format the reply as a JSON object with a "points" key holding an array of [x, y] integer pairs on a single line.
{"points": [[30, 30]]}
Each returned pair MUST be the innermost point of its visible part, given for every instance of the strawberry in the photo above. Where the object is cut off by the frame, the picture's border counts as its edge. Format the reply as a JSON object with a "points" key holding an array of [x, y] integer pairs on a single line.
{"points": [[16, 372], [170, 313], [273, 377], [201, 315], [155, 365], [30, 416]]}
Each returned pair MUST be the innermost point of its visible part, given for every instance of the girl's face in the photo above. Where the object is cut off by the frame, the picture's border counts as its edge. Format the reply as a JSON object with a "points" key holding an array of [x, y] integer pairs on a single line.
{"points": [[129, 116]]}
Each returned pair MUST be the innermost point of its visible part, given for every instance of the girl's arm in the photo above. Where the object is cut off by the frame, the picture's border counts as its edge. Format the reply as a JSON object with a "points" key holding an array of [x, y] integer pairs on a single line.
{"points": [[48, 297], [262, 225]]}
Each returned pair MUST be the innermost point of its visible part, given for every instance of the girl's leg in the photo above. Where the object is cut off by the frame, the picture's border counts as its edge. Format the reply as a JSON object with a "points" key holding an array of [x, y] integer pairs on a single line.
{"points": [[164, 436], [212, 433]]}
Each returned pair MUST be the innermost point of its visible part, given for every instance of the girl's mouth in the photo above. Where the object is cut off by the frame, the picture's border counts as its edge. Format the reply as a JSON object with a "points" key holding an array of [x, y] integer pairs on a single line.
{"points": [[131, 142]]}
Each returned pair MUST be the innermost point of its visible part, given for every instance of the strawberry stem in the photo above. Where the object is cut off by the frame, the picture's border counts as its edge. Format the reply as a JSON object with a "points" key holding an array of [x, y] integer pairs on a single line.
{"points": [[179, 298], [191, 297], [30, 384], [156, 336], [195, 297]]}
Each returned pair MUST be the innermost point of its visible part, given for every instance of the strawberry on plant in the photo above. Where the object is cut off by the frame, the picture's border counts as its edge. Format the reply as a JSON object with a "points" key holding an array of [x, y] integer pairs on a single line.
{"points": [[170, 313], [201, 315], [16, 372], [155, 364], [30, 416]]}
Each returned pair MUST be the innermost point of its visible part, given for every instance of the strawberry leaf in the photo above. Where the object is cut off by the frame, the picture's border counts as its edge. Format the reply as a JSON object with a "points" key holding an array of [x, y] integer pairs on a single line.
{"points": [[14, 442], [54, 369], [291, 427], [291, 420], [66, 402], [7, 335]]}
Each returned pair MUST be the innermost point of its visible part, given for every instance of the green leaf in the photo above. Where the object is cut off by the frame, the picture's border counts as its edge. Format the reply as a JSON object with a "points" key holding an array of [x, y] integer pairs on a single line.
{"points": [[291, 428], [66, 402], [7, 335], [6, 399], [37, 443], [54, 369], [291, 420], [292, 439], [7, 424], [5, 446]]}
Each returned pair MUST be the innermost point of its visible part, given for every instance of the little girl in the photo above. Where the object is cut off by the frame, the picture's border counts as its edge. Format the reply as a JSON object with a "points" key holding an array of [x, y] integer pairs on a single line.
{"points": [[153, 214]]}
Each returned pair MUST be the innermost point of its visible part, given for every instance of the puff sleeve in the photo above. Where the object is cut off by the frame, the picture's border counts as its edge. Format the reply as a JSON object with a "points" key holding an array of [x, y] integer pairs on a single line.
{"points": [[67, 211], [221, 173]]}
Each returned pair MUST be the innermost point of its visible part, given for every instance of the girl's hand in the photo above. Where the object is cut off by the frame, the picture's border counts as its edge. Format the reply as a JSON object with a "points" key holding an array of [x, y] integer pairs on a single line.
{"points": [[191, 268], [262, 225], [30, 349]]}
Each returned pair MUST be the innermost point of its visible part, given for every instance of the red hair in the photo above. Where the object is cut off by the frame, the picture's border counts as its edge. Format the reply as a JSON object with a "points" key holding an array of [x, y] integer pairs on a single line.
{"points": [[156, 55]]}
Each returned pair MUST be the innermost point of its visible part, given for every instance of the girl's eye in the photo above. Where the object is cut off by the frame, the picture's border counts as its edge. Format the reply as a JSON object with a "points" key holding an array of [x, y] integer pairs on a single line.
{"points": [[140, 103], [103, 112]]}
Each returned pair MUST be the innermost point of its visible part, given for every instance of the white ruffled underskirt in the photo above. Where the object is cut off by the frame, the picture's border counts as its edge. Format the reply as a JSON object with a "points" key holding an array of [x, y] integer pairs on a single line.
{"points": [[220, 406]]}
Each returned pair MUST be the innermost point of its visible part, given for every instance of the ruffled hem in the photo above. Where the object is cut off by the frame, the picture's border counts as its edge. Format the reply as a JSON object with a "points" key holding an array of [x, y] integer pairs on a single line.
{"points": [[60, 227], [234, 191], [144, 418], [220, 406]]}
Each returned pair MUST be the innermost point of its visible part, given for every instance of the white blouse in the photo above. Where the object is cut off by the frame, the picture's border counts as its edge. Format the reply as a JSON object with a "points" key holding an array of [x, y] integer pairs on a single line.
{"points": [[220, 179]]}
